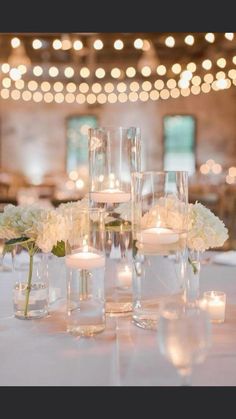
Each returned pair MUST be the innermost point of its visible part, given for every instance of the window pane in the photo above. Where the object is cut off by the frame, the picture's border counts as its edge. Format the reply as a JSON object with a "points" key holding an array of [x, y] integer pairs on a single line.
{"points": [[77, 141], [179, 139]]}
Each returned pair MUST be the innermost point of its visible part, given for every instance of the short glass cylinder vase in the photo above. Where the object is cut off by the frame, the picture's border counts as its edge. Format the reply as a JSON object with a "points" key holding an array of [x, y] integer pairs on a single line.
{"points": [[114, 154], [85, 266], [30, 293], [159, 222]]}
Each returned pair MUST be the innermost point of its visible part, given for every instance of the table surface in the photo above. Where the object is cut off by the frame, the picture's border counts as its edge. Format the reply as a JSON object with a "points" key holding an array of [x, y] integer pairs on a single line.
{"points": [[40, 352]]}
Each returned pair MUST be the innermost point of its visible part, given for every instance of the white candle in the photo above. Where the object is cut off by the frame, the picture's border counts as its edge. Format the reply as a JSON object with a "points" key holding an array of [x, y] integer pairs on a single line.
{"points": [[85, 260], [215, 305], [158, 235], [125, 277], [113, 195]]}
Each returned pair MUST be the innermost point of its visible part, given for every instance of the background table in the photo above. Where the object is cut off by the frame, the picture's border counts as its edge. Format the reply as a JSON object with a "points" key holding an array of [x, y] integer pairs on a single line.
{"points": [[40, 352]]}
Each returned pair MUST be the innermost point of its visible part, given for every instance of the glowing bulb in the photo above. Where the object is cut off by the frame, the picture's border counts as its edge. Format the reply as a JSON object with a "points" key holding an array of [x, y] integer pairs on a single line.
{"points": [[112, 98], [122, 97], [100, 73], [207, 64], [171, 83], [58, 86], [216, 169], [205, 87], [154, 95], [98, 44], [196, 80], [221, 62], [115, 73], [101, 98], [5, 68], [71, 87], [121, 87], [187, 75], [146, 86], [170, 41], [138, 43], [70, 98], [185, 92], [37, 97], [183, 83], [5, 93], [84, 72], [53, 71], [96, 87], [109, 87], [45, 86], [143, 96], [232, 74], [48, 97], [230, 180], [6, 82], [229, 36], [191, 67], [204, 169], [232, 171], [37, 71], [37, 44], [189, 40], [134, 86], [69, 72], [133, 97], [57, 44], [26, 95], [22, 68], [175, 93], [79, 184], [195, 90], [15, 74], [159, 84], [80, 98], [84, 87], [91, 98], [19, 84], [32, 85], [15, 42], [59, 97], [210, 37], [130, 72], [176, 68], [77, 45], [220, 75], [164, 94], [208, 78], [15, 94], [118, 44], [146, 71], [161, 70]]}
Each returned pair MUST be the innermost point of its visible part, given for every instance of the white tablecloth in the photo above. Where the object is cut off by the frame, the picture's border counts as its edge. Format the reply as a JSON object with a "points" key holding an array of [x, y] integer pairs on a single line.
{"points": [[40, 352]]}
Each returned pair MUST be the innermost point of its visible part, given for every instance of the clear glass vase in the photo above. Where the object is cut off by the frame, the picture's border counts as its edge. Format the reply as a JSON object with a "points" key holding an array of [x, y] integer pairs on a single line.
{"points": [[192, 285], [30, 293], [159, 220], [114, 154], [85, 267]]}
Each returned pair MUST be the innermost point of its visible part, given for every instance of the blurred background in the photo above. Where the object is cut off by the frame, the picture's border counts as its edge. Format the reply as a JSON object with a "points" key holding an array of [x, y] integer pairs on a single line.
{"points": [[179, 88]]}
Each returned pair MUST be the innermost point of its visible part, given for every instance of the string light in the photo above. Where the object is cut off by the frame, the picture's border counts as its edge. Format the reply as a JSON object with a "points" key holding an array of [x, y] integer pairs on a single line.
{"points": [[115, 73], [22, 68], [146, 71], [69, 72], [84, 72], [176, 68], [71, 87], [84, 87], [80, 98], [161, 70], [98, 44], [37, 71], [121, 87], [210, 37], [15, 74], [229, 36], [207, 64], [154, 95], [58, 86], [112, 98], [5, 93], [70, 98], [45, 86], [100, 73], [19, 84], [191, 67], [37, 97], [96, 87], [15, 94], [130, 72], [195, 90], [183, 83], [189, 40], [91, 98], [48, 97], [101, 98], [221, 62], [146, 86], [171, 83], [26, 95], [175, 93], [170, 41], [118, 44], [159, 84], [138, 43], [109, 87], [5, 68], [185, 92], [59, 97], [134, 86], [196, 80], [32, 85], [133, 96], [220, 75], [57, 44], [205, 87], [37, 44], [6, 82], [164, 94], [53, 71], [15, 42], [122, 97], [78, 45], [208, 78], [232, 74]]}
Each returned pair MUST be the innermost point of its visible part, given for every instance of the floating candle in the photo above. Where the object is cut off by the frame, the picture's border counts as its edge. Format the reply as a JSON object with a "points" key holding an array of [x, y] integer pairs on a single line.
{"points": [[85, 260], [124, 276], [158, 235], [113, 195]]}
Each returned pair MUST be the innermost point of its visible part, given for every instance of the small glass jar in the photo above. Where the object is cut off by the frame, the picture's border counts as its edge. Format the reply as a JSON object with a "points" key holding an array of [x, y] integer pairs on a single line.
{"points": [[215, 302], [85, 266], [30, 293]]}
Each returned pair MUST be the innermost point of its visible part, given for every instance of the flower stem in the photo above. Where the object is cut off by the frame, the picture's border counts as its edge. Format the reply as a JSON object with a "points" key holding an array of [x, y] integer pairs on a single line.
{"points": [[193, 264], [29, 284]]}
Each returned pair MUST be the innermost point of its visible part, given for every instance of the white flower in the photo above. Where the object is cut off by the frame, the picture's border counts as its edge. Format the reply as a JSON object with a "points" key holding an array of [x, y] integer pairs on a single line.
{"points": [[205, 230]]}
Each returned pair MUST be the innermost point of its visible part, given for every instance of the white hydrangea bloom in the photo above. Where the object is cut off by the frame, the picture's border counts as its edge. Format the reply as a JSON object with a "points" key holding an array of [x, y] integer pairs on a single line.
{"points": [[205, 230]]}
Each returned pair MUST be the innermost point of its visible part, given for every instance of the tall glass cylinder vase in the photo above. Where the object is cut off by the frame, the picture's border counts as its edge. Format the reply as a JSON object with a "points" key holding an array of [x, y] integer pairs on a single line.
{"points": [[85, 266], [114, 154], [159, 221]]}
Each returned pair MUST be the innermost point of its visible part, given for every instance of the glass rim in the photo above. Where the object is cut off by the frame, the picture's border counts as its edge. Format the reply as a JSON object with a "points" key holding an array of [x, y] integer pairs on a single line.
{"points": [[113, 128], [159, 172]]}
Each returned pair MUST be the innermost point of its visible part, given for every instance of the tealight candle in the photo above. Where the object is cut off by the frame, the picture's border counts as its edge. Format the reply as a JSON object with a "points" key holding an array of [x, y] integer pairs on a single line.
{"points": [[158, 235], [85, 260], [113, 195], [215, 305], [124, 276]]}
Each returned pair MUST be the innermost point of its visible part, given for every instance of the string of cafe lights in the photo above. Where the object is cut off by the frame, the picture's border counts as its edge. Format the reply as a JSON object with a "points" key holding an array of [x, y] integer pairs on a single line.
{"points": [[116, 91], [77, 44]]}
